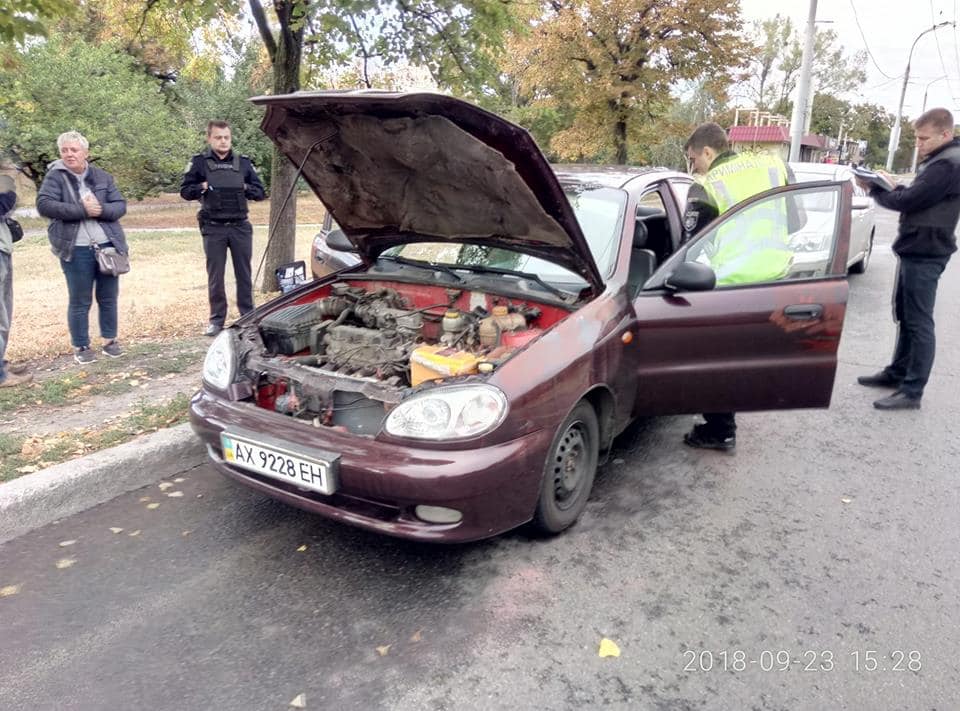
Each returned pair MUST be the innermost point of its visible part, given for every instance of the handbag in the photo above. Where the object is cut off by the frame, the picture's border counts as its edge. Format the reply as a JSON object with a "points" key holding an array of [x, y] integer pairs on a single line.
{"points": [[16, 230], [110, 261]]}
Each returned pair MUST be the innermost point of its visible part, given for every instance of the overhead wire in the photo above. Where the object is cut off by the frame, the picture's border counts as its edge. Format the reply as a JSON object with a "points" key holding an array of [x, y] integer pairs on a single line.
{"points": [[867, 46], [946, 74]]}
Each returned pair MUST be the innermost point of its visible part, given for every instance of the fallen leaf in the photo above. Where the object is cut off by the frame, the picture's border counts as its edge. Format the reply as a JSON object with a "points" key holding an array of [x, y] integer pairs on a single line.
{"points": [[382, 651], [113, 529], [153, 506], [609, 648], [301, 549], [416, 637], [133, 383], [618, 461], [846, 499], [134, 533], [64, 544], [8, 590], [179, 480], [199, 496], [186, 533], [175, 494], [299, 701], [144, 498], [164, 485], [65, 562], [29, 469]]}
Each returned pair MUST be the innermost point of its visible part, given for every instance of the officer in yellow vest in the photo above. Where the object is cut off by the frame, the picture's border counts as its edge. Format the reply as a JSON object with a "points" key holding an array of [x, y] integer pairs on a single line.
{"points": [[756, 250]]}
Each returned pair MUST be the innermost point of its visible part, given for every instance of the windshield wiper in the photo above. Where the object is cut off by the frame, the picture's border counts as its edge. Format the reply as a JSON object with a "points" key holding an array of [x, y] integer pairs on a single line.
{"points": [[421, 265], [511, 272]]}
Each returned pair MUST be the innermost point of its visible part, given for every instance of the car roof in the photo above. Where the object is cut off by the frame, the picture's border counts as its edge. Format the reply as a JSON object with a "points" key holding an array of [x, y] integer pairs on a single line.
{"points": [[611, 176], [831, 170]]}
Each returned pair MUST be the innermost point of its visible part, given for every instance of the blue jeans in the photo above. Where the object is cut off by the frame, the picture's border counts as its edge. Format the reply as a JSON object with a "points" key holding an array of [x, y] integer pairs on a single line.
{"points": [[915, 297], [83, 278]]}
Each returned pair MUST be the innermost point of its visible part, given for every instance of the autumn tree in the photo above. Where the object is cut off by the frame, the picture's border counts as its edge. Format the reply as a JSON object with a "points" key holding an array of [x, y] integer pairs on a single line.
{"points": [[131, 129], [20, 19], [613, 63], [774, 63]]}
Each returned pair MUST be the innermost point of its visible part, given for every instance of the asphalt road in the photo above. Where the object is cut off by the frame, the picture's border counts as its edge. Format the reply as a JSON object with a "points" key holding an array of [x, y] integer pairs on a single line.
{"points": [[816, 568]]}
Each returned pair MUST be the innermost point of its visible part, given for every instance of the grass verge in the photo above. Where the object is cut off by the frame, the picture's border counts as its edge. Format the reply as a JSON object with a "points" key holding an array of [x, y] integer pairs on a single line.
{"points": [[21, 455]]}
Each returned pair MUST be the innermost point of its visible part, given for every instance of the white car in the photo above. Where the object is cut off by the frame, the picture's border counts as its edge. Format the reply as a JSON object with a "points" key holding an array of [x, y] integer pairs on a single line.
{"points": [[862, 220]]}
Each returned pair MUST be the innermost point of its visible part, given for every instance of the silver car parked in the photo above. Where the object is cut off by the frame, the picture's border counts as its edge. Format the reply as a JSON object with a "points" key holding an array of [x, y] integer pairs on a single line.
{"points": [[862, 220]]}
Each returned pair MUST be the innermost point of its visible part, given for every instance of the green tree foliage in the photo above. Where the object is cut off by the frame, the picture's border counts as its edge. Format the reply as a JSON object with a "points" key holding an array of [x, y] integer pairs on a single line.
{"points": [[215, 95], [102, 93], [20, 19], [613, 64], [774, 66]]}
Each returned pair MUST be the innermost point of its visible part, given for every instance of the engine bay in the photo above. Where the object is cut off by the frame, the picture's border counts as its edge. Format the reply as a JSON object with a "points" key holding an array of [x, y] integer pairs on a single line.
{"points": [[356, 346]]}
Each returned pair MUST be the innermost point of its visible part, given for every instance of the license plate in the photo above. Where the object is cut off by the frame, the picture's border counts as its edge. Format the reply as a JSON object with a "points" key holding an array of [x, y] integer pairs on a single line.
{"points": [[305, 472]]}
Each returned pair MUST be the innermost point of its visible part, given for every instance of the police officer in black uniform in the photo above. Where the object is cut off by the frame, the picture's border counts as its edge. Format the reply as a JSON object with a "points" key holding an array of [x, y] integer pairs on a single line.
{"points": [[223, 181]]}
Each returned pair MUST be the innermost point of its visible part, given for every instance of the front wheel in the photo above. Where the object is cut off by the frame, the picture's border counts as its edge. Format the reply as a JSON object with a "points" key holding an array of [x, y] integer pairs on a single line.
{"points": [[569, 471]]}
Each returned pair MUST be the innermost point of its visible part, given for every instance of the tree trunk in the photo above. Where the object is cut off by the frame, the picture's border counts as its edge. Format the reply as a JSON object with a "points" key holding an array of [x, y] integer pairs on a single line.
{"points": [[620, 140], [283, 224]]}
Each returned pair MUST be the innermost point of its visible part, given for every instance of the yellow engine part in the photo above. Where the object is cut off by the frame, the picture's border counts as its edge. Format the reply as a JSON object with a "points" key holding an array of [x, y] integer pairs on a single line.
{"points": [[433, 362]]}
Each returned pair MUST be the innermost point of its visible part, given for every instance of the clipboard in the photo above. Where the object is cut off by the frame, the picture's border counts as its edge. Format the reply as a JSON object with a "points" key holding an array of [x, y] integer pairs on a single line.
{"points": [[873, 178]]}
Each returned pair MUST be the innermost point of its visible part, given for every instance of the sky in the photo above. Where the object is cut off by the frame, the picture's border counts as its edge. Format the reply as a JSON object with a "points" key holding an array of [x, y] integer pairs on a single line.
{"points": [[889, 28]]}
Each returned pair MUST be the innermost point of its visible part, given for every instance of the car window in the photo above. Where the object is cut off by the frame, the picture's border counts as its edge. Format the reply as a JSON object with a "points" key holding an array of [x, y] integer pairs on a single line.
{"points": [[651, 201], [755, 246], [600, 213], [681, 188]]}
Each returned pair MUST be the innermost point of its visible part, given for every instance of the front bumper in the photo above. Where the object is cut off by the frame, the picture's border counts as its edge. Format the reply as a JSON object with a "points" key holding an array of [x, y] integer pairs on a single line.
{"points": [[379, 484]]}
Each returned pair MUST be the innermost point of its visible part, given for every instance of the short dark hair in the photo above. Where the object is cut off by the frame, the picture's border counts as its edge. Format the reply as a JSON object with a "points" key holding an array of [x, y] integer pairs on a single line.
{"points": [[216, 123], [938, 119], [708, 134]]}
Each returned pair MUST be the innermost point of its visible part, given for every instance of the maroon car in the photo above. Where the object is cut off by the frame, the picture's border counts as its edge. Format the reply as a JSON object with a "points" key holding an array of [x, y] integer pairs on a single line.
{"points": [[506, 322]]}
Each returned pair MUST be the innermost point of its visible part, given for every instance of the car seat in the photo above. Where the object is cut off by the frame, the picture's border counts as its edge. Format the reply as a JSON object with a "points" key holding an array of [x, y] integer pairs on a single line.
{"points": [[643, 261]]}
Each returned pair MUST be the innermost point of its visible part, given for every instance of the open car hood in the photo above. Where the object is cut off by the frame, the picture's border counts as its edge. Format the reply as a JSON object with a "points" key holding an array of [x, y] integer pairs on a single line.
{"points": [[397, 168]]}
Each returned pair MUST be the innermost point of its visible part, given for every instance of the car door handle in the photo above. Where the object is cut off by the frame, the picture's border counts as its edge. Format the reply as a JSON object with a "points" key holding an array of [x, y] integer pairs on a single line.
{"points": [[803, 312]]}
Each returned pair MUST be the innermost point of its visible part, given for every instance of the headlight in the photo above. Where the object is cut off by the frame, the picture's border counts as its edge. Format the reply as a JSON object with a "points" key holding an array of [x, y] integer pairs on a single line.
{"points": [[448, 413], [220, 365], [809, 242]]}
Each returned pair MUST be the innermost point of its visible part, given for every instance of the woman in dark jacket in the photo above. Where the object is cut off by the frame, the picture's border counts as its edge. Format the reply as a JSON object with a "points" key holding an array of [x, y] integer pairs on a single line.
{"points": [[84, 208]]}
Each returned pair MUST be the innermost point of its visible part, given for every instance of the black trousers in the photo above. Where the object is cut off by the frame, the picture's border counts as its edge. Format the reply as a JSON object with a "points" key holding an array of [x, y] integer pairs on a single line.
{"points": [[914, 299], [217, 239]]}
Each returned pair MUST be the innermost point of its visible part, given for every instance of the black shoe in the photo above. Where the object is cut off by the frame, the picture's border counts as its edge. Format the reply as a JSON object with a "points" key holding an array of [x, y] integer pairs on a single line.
{"points": [[701, 438], [212, 329], [883, 379], [898, 401]]}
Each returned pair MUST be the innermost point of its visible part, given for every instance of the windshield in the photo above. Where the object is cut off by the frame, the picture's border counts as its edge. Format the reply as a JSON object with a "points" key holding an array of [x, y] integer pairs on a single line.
{"points": [[600, 214], [824, 201]]}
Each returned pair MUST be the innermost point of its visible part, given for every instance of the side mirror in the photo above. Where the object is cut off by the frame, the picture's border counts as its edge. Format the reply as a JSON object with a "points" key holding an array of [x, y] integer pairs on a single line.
{"points": [[691, 276], [337, 240]]}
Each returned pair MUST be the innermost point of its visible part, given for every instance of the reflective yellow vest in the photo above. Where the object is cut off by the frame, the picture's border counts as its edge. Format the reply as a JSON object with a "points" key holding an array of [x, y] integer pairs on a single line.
{"points": [[756, 247]]}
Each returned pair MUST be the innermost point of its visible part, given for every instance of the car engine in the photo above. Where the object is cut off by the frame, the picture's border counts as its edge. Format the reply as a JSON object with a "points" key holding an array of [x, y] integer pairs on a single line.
{"points": [[376, 333]]}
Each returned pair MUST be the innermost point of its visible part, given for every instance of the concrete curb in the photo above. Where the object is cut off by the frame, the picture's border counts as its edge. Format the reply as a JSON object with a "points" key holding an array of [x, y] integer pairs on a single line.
{"points": [[62, 490]]}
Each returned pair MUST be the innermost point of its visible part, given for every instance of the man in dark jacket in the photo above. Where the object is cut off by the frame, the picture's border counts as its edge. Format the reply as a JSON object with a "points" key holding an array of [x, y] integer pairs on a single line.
{"points": [[929, 210], [223, 182]]}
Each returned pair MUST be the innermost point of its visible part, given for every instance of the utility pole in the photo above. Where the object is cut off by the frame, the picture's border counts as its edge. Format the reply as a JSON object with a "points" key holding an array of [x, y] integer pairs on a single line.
{"points": [[895, 132], [913, 164], [803, 91]]}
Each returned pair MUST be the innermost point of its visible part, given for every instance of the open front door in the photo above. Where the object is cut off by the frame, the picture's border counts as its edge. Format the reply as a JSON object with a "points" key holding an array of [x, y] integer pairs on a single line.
{"points": [[754, 341]]}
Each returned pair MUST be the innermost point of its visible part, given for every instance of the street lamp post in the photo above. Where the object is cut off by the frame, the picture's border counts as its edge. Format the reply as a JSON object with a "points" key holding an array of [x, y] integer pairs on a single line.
{"points": [[895, 133], [913, 165]]}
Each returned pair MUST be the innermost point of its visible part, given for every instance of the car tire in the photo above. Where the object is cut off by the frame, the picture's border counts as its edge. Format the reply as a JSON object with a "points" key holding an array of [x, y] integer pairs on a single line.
{"points": [[569, 471], [861, 266]]}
